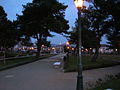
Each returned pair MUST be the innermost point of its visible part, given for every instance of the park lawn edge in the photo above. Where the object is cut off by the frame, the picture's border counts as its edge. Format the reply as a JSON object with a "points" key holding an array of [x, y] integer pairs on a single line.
{"points": [[90, 67], [23, 62]]}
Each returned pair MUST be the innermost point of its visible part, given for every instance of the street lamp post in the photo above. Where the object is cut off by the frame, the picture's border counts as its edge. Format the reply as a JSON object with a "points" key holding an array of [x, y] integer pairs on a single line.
{"points": [[79, 5]]}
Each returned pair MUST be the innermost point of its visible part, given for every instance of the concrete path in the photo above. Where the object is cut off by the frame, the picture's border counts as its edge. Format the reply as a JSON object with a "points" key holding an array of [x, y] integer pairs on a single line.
{"points": [[41, 75]]}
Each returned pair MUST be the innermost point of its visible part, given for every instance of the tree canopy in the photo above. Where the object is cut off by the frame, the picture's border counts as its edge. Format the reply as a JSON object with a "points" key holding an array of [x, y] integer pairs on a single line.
{"points": [[102, 18], [114, 34], [88, 36], [8, 34], [42, 17]]}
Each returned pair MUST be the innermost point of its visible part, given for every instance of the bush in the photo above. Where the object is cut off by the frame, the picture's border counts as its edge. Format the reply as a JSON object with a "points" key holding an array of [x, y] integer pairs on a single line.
{"points": [[10, 54]]}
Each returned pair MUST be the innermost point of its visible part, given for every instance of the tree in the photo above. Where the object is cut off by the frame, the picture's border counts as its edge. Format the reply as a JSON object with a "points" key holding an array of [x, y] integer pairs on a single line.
{"points": [[99, 23], [103, 13], [112, 7], [88, 36], [42, 17], [8, 34], [114, 40]]}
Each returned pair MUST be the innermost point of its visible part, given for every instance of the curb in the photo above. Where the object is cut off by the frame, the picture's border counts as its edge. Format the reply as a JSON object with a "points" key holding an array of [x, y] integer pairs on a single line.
{"points": [[20, 63]]}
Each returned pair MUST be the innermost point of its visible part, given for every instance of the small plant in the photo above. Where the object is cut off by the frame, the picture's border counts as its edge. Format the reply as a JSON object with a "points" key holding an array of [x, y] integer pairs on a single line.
{"points": [[117, 76], [110, 82], [109, 77], [98, 82], [89, 85]]}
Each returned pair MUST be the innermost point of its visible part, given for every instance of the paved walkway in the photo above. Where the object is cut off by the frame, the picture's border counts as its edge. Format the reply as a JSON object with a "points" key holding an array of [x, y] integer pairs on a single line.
{"points": [[41, 75]]}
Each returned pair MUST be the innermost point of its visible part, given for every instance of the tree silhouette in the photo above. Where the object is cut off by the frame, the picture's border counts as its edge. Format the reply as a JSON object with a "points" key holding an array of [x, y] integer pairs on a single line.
{"points": [[42, 17], [8, 34]]}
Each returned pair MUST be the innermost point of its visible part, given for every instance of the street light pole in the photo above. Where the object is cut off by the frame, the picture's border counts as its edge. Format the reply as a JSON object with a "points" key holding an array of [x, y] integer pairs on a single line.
{"points": [[79, 77], [79, 5]]}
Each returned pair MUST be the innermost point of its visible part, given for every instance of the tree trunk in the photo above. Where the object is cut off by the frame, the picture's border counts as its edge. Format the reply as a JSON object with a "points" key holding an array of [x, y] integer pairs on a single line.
{"points": [[4, 55], [98, 38], [96, 54], [38, 48], [4, 58], [118, 51], [38, 45]]}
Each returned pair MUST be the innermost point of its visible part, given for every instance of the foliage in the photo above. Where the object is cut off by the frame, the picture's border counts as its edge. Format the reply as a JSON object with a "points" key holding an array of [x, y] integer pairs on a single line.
{"points": [[112, 8], [99, 23], [88, 39], [114, 39], [8, 34], [26, 41], [88, 36], [42, 17]]}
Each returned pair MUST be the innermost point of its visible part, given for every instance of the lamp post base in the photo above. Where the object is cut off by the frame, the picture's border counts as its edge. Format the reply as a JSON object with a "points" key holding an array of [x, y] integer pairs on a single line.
{"points": [[79, 82]]}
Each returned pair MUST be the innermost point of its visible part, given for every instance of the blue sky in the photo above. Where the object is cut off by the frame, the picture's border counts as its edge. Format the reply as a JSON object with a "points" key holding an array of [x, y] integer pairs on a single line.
{"points": [[13, 7]]}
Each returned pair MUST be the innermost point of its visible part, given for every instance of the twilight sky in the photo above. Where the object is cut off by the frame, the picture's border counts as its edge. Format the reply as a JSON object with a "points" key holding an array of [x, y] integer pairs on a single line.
{"points": [[13, 7]]}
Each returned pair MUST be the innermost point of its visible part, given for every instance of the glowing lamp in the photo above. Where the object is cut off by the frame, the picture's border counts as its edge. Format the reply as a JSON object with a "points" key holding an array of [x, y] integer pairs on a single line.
{"points": [[78, 3]]}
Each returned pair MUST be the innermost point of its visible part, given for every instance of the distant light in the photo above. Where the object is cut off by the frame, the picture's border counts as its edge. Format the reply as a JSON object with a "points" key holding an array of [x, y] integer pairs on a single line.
{"points": [[73, 49], [32, 48], [23, 48], [86, 49], [116, 49], [53, 48], [67, 43], [68, 47], [101, 50], [42, 45]]}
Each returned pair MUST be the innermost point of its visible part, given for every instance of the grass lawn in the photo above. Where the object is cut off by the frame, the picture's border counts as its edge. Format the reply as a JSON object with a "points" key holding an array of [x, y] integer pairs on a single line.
{"points": [[112, 84], [18, 60], [87, 64], [111, 57]]}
